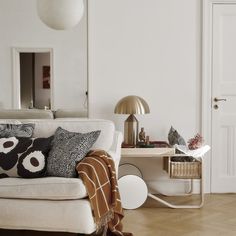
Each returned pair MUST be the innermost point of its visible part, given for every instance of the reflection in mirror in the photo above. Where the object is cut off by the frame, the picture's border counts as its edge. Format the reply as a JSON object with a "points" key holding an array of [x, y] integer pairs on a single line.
{"points": [[35, 87], [32, 78]]}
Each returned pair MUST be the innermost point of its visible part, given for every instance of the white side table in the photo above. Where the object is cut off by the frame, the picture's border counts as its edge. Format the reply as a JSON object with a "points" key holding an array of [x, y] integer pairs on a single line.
{"points": [[158, 153]]}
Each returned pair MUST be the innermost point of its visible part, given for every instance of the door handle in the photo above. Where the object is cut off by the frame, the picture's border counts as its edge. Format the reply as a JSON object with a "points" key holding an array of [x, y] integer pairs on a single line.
{"points": [[220, 100]]}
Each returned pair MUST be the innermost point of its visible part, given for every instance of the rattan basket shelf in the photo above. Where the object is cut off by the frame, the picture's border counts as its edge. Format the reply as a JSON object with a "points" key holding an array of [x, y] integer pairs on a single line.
{"points": [[182, 170]]}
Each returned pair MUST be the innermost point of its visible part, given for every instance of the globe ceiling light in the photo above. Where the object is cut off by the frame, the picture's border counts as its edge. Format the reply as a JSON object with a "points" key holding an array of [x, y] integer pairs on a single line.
{"points": [[60, 14]]}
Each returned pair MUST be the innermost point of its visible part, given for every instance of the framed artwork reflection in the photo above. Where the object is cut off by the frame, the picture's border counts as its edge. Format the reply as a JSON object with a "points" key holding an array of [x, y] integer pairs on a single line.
{"points": [[46, 77]]}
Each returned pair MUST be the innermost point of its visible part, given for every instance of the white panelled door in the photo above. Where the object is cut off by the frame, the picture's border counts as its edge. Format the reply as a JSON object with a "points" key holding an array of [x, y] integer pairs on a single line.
{"points": [[223, 177]]}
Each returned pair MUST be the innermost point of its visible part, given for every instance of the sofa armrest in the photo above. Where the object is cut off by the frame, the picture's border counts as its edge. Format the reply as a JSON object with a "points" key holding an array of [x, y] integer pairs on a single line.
{"points": [[115, 150]]}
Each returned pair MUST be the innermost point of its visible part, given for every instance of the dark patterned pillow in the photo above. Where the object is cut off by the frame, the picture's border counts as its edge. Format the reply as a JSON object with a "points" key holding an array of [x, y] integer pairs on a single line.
{"points": [[23, 157], [68, 148], [16, 130]]}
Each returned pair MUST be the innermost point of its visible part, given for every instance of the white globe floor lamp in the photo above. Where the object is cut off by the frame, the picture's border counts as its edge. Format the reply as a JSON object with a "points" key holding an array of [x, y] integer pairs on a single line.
{"points": [[60, 14]]}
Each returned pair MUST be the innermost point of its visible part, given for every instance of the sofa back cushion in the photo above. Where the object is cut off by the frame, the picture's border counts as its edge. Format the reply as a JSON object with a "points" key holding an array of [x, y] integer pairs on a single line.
{"points": [[25, 114], [70, 113], [46, 128], [16, 130]]}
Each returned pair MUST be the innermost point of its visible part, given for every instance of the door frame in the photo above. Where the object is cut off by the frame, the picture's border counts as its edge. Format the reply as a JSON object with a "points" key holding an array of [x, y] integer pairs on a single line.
{"points": [[16, 99], [207, 46]]}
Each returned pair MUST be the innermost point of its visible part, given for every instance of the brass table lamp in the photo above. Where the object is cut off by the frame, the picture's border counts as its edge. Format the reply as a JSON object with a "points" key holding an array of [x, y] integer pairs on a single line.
{"points": [[131, 105]]}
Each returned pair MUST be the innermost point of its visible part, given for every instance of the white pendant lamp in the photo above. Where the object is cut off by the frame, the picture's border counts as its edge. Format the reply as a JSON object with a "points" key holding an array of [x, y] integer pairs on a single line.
{"points": [[60, 14]]}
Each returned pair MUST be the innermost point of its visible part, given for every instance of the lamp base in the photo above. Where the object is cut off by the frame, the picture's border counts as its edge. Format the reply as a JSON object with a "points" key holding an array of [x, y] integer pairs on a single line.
{"points": [[131, 130]]}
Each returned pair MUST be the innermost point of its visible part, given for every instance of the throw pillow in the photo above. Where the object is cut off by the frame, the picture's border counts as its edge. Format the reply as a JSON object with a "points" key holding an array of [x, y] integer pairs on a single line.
{"points": [[175, 138], [16, 130], [68, 148], [23, 157]]}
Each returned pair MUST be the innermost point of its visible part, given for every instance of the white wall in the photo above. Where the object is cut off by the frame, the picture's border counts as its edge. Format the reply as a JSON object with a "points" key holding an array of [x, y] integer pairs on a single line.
{"points": [[42, 96], [21, 27], [150, 48]]}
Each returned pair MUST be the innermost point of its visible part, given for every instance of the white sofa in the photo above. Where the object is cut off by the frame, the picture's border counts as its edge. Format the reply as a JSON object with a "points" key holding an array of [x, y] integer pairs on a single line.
{"points": [[54, 203]]}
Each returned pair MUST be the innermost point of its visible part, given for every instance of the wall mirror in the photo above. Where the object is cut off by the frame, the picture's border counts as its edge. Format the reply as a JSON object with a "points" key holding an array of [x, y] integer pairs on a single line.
{"points": [[33, 76]]}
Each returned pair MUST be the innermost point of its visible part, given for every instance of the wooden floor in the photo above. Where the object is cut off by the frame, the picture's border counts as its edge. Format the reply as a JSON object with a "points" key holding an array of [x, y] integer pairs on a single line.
{"points": [[217, 217]]}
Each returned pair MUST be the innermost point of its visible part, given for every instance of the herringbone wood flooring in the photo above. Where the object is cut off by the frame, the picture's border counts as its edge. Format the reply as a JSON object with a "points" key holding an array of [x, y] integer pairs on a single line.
{"points": [[217, 217]]}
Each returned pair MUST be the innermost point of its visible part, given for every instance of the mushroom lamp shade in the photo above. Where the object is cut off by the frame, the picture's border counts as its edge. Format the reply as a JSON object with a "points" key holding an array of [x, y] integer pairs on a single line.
{"points": [[131, 105], [60, 14]]}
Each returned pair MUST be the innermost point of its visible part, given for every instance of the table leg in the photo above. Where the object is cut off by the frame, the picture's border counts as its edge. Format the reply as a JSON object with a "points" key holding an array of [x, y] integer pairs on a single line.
{"points": [[166, 203]]}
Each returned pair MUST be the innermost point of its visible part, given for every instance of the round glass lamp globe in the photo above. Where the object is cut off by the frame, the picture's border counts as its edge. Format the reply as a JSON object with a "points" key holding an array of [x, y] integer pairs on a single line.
{"points": [[60, 14]]}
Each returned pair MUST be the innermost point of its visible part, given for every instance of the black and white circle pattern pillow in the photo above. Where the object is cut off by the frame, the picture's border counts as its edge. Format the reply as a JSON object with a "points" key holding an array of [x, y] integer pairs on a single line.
{"points": [[23, 157]]}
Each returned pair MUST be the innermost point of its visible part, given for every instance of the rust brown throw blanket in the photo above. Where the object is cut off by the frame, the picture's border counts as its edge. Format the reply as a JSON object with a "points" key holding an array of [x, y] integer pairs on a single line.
{"points": [[97, 172]]}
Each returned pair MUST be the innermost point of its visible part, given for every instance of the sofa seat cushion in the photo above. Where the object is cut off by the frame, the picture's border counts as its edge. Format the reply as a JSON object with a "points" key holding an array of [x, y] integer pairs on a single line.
{"points": [[74, 216], [50, 188]]}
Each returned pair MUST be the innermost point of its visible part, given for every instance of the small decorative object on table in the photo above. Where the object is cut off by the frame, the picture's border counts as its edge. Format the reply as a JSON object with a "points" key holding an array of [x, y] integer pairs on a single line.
{"points": [[153, 144], [145, 144], [175, 138], [160, 144], [124, 145], [142, 135], [196, 142]]}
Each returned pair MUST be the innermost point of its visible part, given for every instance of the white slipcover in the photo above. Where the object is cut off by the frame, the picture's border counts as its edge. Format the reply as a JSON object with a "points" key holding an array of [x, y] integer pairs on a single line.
{"points": [[73, 216], [20, 211]]}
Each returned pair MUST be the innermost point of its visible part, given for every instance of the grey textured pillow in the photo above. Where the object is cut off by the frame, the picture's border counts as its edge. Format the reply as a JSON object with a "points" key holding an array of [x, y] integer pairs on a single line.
{"points": [[68, 148], [16, 130]]}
